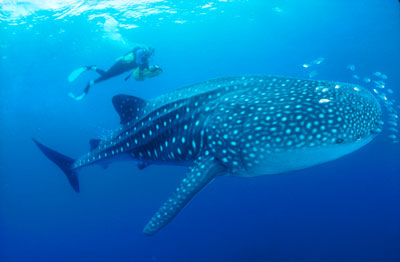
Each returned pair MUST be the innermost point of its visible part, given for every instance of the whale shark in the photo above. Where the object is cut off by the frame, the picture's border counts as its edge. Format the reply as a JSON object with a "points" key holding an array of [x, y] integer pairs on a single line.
{"points": [[242, 126]]}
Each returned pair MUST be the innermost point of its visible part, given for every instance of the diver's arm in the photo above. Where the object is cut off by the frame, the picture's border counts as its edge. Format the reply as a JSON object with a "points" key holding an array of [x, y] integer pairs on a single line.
{"points": [[134, 73], [128, 76]]}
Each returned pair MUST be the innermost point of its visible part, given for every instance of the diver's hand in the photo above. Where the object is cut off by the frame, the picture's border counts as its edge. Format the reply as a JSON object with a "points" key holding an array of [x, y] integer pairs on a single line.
{"points": [[154, 71]]}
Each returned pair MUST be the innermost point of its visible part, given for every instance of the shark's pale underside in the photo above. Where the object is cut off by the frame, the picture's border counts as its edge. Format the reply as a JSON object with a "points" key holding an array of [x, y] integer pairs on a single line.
{"points": [[239, 126]]}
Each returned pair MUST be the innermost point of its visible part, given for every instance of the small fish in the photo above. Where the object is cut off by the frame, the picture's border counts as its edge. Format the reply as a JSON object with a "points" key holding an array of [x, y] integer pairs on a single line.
{"points": [[384, 76], [312, 74], [389, 105], [378, 74], [379, 84], [393, 123], [306, 65], [351, 67], [383, 97], [393, 137], [367, 80], [277, 9], [392, 129], [356, 77], [390, 91], [318, 61]]}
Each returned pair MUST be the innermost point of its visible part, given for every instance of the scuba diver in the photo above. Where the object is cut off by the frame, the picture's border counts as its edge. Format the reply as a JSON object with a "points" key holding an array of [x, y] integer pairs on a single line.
{"points": [[137, 60]]}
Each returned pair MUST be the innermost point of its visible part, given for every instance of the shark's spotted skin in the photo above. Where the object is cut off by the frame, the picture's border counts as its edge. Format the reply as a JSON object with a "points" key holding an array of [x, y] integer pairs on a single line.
{"points": [[242, 126]]}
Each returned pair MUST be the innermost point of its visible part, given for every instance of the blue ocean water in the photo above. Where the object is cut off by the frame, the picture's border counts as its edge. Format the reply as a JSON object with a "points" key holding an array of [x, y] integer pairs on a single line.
{"points": [[345, 210]]}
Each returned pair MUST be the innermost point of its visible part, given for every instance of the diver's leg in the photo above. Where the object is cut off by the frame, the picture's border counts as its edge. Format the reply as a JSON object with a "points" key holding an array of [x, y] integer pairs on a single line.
{"points": [[98, 70], [86, 90], [101, 72], [84, 93], [93, 82], [116, 69], [88, 86]]}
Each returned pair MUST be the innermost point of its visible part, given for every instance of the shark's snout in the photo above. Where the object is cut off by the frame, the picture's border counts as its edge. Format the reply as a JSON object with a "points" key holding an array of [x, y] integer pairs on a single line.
{"points": [[361, 113]]}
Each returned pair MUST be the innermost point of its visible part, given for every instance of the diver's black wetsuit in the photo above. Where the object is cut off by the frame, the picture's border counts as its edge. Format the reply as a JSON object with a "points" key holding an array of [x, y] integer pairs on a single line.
{"points": [[136, 60], [140, 59], [117, 69]]}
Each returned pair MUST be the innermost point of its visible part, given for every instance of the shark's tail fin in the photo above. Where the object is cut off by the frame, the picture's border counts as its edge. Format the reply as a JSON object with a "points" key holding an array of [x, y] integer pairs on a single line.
{"points": [[63, 162]]}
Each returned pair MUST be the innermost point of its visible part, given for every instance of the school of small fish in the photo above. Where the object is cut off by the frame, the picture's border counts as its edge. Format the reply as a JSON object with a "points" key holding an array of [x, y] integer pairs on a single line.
{"points": [[312, 63], [378, 85]]}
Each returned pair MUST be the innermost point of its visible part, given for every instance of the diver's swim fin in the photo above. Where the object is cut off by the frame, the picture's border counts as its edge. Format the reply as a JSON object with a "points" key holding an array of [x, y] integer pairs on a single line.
{"points": [[76, 73], [63, 162], [85, 91], [77, 98]]}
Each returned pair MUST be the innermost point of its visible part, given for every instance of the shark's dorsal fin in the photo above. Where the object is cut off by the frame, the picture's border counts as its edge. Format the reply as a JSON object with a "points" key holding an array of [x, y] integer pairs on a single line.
{"points": [[128, 107], [94, 143], [203, 170]]}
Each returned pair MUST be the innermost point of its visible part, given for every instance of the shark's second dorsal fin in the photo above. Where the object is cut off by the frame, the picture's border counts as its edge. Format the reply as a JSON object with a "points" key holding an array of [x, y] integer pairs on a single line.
{"points": [[128, 107]]}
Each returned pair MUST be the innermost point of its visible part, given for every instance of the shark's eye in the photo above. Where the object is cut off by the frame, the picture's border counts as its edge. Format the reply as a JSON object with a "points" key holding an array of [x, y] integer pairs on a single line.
{"points": [[339, 140], [375, 131]]}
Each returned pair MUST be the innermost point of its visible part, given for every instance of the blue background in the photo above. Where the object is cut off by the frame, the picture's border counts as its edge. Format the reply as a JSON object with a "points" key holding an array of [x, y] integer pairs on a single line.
{"points": [[346, 210]]}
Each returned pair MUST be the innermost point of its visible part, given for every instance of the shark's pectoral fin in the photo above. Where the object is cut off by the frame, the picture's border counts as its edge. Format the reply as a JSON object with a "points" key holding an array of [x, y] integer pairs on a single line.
{"points": [[200, 174]]}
